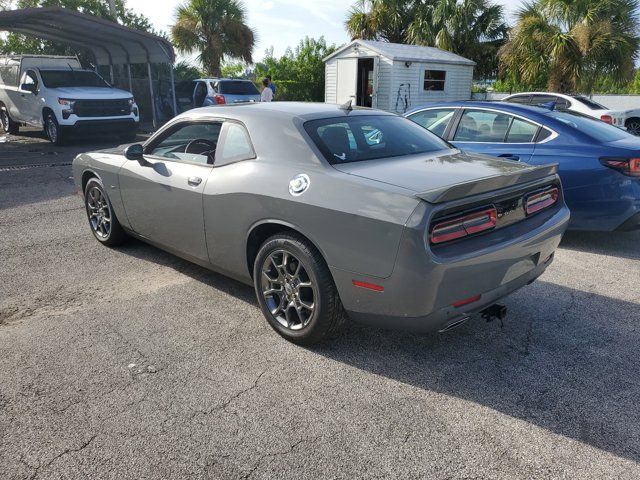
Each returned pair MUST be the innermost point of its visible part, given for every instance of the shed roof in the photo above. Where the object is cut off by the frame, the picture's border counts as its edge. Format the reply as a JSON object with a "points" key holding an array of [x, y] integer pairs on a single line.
{"points": [[406, 53], [110, 42]]}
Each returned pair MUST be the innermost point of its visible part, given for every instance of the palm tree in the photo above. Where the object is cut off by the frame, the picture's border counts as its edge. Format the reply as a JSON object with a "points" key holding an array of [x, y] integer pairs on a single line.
{"points": [[216, 29], [474, 29], [387, 20], [469, 28], [570, 44]]}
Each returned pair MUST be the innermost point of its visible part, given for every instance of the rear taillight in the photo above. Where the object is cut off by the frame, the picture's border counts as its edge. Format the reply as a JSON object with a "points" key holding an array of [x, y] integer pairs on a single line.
{"points": [[541, 200], [463, 226], [220, 100], [626, 166], [607, 119]]}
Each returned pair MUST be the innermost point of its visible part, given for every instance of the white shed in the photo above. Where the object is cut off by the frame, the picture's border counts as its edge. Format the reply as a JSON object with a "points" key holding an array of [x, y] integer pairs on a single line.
{"points": [[395, 77]]}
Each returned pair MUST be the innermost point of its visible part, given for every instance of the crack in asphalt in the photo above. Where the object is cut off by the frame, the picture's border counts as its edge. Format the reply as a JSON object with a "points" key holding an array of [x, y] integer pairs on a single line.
{"points": [[223, 406], [37, 469], [289, 450]]}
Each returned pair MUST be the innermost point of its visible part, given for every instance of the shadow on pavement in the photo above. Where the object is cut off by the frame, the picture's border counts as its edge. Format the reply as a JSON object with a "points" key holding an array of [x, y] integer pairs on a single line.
{"points": [[616, 244], [569, 366]]}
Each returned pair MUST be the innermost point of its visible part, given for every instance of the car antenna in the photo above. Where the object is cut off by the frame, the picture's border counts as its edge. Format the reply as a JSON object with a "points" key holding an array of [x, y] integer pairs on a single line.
{"points": [[348, 106]]}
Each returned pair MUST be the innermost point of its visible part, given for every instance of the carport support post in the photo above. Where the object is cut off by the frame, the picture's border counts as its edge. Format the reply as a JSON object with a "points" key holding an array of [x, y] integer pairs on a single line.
{"points": [[129, 75], [173, 90], [153, 97]]}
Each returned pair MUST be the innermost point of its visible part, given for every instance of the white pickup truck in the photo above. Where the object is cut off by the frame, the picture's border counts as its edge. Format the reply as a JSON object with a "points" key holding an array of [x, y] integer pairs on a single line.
{"points": [[57, 94]]}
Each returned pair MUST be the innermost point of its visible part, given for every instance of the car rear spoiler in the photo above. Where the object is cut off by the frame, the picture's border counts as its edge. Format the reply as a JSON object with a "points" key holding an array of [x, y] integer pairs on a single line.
{"points": [[488, 184]]}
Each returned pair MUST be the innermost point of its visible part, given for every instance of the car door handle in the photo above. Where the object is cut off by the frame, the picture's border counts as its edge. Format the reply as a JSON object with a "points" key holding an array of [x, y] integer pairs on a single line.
{"points": [[194, 181], [509, 156]]}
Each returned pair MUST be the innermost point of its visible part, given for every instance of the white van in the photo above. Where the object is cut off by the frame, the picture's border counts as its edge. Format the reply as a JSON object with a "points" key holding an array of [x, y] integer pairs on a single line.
{"points": [[56, 93]]}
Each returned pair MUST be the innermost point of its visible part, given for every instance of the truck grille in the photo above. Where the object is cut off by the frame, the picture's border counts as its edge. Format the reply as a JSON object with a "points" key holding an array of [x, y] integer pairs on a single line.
{"points": [[102, 108]]}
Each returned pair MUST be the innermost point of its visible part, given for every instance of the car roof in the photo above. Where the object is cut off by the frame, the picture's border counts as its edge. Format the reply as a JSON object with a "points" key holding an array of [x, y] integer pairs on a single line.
{"points": [[515, 108], [279, 110]]}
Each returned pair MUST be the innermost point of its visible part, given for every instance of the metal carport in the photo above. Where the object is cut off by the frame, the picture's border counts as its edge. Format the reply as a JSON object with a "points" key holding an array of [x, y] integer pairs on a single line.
{"points": [[109, 42]]}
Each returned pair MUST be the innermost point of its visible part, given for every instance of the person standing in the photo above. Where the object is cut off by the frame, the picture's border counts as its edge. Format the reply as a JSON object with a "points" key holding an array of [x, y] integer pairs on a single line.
{"points": [[267, 93], [272, 86]]}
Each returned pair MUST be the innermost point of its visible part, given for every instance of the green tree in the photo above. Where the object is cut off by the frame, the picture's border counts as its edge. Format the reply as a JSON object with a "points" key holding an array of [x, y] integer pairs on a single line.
{"points": [[474, 29], [216, 29], [185, 71], [299, 73], [571, 44], [234, 70]]}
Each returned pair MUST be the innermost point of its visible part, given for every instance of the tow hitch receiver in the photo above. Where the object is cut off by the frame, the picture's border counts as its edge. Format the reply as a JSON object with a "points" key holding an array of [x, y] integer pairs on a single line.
{"points": [[494, 312]]}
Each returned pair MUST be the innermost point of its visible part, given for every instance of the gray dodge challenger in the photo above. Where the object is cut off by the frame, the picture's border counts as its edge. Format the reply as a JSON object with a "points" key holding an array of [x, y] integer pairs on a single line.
{"points": [[330, 213]]}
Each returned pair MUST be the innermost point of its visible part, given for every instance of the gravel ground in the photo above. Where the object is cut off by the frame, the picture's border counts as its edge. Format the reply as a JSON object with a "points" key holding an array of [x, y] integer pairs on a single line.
{"points": [[132, 363]]}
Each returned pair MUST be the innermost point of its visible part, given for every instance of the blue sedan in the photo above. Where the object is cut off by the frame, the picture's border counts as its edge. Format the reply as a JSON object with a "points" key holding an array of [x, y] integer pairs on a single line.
{"points": [[599, 164]]}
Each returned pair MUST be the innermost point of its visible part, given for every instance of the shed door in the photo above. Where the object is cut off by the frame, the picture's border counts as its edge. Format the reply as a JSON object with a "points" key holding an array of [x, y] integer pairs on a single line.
{"points": [[347, 80]]}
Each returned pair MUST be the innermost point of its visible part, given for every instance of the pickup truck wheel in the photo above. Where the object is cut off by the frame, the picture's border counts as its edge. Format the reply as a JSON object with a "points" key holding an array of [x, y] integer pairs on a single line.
{"points": [[102, 219], [52, 129], [8, 125], [633, 127], [295, 290]]}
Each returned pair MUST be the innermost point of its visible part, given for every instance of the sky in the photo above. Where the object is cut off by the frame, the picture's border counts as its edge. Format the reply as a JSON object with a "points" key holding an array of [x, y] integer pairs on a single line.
{"points": [[280, 23]]}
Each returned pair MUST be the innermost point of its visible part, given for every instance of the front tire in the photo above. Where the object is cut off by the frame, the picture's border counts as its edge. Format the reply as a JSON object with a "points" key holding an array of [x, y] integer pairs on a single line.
{"points": [[633, 127], [295, 290], [102, 219], [52, 129], [8, 125]]}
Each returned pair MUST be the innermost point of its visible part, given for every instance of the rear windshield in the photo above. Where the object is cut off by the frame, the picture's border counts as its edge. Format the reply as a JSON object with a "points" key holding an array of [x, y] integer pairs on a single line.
{"points": [[238, 88], [71, 78], [589, 103], [371, 137], [596, 129]]}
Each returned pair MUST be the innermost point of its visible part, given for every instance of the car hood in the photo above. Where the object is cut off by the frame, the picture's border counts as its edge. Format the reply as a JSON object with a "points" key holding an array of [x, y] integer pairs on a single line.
{"points": [[444, 176], [91, 93]]}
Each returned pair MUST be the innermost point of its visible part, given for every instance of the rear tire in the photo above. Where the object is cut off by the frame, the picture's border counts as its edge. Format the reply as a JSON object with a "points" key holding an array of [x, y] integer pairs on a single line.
{"points": [[295, 290], [52, 129], [102, 219], [8, 125]]}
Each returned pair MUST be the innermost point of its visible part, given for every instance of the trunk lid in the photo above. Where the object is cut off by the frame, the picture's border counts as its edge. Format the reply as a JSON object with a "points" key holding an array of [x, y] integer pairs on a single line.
{"points": [[439, 177]]}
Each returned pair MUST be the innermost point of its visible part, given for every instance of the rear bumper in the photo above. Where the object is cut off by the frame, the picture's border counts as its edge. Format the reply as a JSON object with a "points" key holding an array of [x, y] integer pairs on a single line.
{"points": [[421, 293], [447, 316]]}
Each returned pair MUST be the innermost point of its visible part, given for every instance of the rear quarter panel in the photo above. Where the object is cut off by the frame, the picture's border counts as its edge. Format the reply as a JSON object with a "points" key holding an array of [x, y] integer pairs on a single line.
{"points": [[355, 223]]}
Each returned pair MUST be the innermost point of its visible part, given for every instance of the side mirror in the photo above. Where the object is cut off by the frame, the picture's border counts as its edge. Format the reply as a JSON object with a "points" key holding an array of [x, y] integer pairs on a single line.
{"points": [[134, 152], [29, 87]]}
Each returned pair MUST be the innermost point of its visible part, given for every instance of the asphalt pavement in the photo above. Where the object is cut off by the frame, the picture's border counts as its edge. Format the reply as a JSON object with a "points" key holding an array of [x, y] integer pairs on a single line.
{"points": [[130, 363]]}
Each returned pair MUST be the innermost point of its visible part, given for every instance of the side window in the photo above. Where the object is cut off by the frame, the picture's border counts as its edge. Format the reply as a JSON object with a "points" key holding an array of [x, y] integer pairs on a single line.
{"points": [[193, 143], [434, 80], [521, 99], [543, 99], [562, 104], [30, 78], [522, 132], [483, 126], [237, 145], [435, 120]]}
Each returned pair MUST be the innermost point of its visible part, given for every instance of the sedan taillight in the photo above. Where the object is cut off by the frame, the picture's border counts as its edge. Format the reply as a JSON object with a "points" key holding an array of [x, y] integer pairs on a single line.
{"points": [[541, 200], [607, 119], [463, 226], [626, 166]]}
